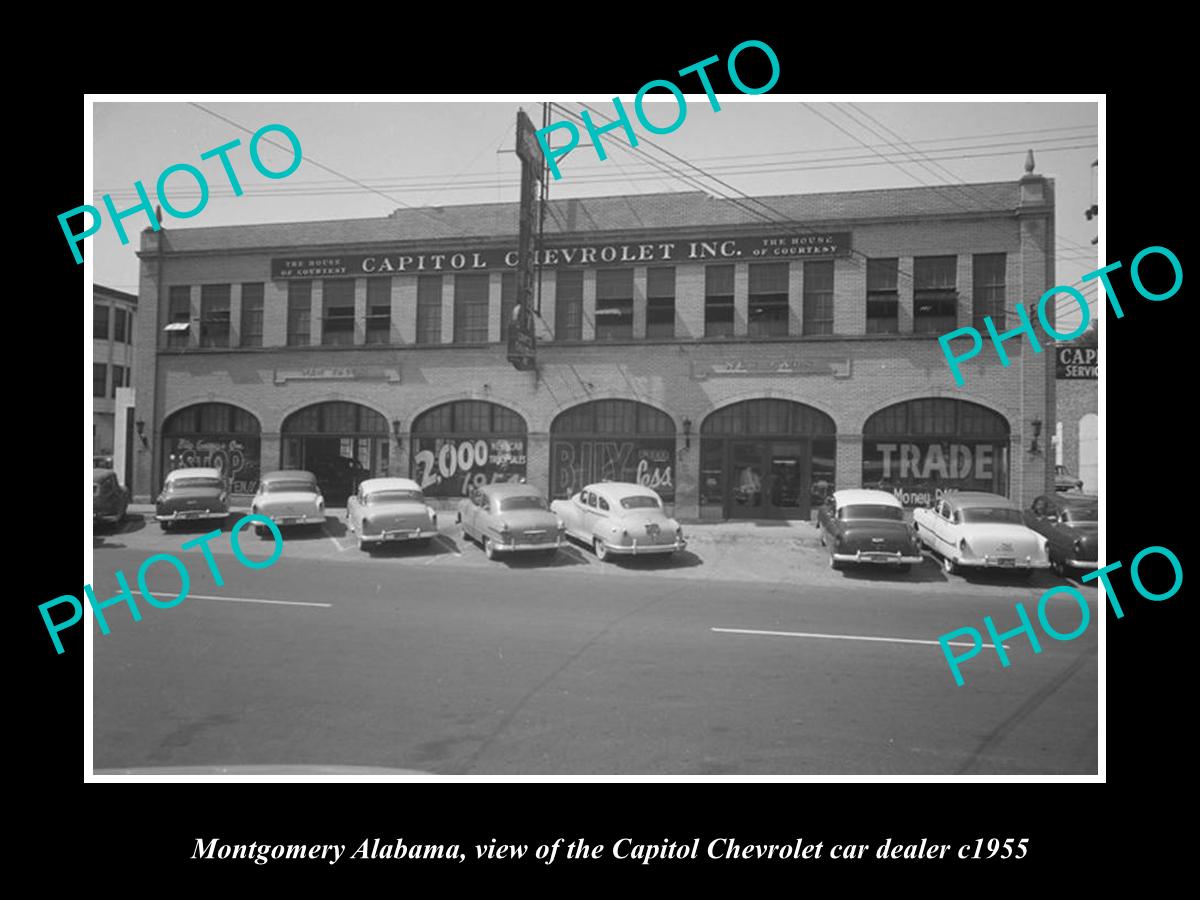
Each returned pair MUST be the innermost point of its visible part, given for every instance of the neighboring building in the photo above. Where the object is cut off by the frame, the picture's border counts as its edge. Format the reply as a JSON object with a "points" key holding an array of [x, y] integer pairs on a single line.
{"points": [[1077, 369], [112, 362], [741, 367]]}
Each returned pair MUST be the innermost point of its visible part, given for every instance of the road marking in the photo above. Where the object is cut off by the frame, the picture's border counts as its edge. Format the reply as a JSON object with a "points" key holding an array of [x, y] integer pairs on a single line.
{"points": [[450, 544], [332, 539], [242, 599], [849, 637]]}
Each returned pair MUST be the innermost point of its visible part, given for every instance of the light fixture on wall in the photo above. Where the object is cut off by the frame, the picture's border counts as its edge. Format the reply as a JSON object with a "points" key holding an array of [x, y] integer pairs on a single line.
{"points": [[140, 424], [687, 434], [1037, 433], [396, 423]]}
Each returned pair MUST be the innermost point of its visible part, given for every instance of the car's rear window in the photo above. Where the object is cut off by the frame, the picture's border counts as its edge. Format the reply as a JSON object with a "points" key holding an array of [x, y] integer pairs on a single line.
{"points": [[288, 487], [509, 504], [394, 497], [979, 514], [176, 483], [639, 503], [1078, 514], [872, 511]]}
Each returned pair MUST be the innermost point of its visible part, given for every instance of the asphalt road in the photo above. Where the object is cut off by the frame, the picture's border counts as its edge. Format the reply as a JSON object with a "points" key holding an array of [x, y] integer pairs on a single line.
{"points": [[440, 661]]}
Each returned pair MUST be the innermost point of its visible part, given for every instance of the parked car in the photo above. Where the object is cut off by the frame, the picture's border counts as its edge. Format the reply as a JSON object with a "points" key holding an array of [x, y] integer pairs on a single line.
{"points": [[509, 517], [1065, 481], [1070, 522], [102, 462], [860, 526], [288, 497], [976, 530], [191, 495], [617, 518], [110, 499], [382, 510], [339, 477]]}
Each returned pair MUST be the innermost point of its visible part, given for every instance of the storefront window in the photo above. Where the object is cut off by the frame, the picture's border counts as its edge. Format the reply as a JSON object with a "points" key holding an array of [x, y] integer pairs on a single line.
{"points": [[461, 445], [923, 449], [216, 435], [612, 440]]}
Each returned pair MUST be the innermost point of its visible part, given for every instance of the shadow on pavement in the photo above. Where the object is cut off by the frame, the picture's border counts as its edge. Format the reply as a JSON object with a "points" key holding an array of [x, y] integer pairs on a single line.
{"points": [[680, 559], [926, 572]]}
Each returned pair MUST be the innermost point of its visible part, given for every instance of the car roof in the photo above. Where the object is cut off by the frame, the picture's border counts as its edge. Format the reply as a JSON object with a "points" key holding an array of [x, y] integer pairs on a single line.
{"points": [[1067, 499], [620, 489], [509, 489], [389, 484], [288, 475], [194, 473], [877, 498], [969, 499]]}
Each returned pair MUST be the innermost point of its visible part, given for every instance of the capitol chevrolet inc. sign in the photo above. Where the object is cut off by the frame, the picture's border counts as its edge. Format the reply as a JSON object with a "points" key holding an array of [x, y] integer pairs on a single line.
{"points": [[776, 248]]}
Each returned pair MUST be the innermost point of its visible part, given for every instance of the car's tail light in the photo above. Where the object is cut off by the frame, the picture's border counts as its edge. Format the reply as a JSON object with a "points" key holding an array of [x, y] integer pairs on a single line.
{"points": [[1078, 546], [561, 525]]}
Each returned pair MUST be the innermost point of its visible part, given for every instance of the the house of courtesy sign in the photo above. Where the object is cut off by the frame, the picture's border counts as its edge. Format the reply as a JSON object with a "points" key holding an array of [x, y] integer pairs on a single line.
{"points": [[775, 247]]}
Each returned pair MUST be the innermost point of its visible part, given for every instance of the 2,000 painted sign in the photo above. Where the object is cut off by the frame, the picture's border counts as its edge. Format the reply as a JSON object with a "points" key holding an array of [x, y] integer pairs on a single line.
{"points": [[450, 467]]}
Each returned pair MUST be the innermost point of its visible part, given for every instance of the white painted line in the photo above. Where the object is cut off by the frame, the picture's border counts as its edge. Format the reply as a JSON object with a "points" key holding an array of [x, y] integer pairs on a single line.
{"points": [[242, 599], [849, 637], [450, 544], [332, 539]]}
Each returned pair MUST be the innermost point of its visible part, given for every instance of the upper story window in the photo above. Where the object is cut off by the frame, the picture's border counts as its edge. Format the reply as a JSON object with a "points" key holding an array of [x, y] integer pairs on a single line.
{"points": [[379, 310], [568, 305], [508, 302], [883, 296], [122, 326], [252, 315], [989, 298], [935, 294], [100, 321], [299, 313], [470, 309], [429, 309], [614, 304], [660, 302], [214, 315], [99, 376], [718, 301], [179, 314], [337, 324], [818, 297], [767, 311]]}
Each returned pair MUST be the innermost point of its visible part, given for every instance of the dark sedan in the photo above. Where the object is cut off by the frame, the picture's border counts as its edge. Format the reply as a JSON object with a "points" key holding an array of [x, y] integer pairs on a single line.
{"points": [[861, 526], [1070, 523], [109, 499], [192, 495]]}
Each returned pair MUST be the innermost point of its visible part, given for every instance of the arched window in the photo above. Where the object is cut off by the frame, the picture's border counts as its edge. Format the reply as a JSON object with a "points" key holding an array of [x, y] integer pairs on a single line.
{"points": [[766, 458], [465, 443], [921, 449], [216, 435], [612, 440], [340, 442]]}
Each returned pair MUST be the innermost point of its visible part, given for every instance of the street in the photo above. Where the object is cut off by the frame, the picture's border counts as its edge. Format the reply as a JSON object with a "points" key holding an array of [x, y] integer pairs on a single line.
{"points": [[743, 655]]}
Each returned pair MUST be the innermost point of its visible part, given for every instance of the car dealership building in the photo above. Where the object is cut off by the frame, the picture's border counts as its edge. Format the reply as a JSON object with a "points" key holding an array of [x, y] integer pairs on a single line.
{"points": [[742, 358]]}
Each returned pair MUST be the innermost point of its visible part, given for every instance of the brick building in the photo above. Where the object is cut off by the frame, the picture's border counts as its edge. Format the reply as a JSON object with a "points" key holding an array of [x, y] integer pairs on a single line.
{"points": [[740, 366], [1077, 371], [112, 361]]}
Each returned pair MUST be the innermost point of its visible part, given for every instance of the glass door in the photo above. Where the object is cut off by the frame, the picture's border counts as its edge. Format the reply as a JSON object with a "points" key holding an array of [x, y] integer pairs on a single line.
{"points": [[786, 487], [746, 497]]}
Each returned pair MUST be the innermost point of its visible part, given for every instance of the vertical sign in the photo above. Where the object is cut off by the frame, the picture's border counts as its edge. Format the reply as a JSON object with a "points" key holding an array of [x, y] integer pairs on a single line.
{"points": [[522, 343]]}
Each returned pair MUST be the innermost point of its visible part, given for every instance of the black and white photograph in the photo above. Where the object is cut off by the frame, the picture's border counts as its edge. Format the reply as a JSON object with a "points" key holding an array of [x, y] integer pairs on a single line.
{"points": [[699, 438]]}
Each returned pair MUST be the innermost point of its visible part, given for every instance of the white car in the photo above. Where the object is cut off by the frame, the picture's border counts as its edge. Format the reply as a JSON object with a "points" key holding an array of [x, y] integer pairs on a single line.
{"points": [[978, 530], [390, 509], [618, 518], [288, 497]]}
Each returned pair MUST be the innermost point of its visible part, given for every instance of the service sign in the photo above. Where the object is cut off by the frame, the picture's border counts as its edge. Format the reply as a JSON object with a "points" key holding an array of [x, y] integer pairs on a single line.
{"points": [[1077, 363], [774, 247]]}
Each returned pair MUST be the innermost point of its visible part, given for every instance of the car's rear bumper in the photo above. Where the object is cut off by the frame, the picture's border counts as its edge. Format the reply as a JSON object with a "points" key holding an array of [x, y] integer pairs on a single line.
{"points": [[879, 558], [636, 549], [1080, 563], [285, 521], [991, 562], [191, 516], [528, 547], [398, 535], [109, 518]]}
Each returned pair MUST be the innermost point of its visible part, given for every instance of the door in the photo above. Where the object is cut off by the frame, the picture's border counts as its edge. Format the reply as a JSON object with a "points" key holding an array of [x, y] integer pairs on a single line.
{"points": [[787, 489], [746, 466]]}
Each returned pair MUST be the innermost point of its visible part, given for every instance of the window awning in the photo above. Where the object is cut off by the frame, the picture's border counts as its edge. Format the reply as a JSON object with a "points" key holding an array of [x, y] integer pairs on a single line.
{"points": [[177, 326]]}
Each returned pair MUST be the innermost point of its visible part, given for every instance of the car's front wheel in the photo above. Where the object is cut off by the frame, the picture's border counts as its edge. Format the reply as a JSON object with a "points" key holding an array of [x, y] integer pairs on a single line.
{"points": [[949, 566], [166, 526], [1058, 568], [833, 563], [601, 549], [489, 548]]}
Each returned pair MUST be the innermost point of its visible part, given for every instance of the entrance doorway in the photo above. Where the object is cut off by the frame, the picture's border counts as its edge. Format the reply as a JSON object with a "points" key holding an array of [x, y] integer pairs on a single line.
{"points": [[771, 479], [342, 443]]}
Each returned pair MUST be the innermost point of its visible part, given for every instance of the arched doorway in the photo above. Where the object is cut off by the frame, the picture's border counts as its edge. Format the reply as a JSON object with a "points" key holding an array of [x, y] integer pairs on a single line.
{"points": [[465, 443], [612, 440], [219, 435], [922, 449], [1089, 448], [342, 443], [766, 459]]}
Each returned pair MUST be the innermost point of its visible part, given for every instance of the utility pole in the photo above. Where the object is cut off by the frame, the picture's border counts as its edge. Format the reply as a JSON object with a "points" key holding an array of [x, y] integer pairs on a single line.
{"points": [[1093, 211]]}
